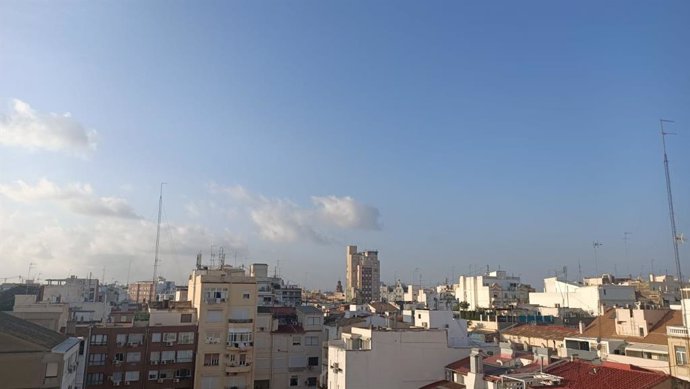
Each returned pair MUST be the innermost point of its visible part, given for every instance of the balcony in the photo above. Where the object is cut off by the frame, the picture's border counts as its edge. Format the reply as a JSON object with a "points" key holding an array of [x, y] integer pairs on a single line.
{"points": [[238, 368], [240, 345], [245, 321], [678, 332]]}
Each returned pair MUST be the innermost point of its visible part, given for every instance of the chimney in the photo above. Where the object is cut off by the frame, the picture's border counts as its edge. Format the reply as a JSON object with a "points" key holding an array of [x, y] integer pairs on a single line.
{"points": [[581, 327], [476, 363]]}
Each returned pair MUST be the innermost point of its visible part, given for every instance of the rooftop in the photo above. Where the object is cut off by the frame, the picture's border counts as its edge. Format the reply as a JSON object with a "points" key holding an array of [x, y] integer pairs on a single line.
{"points": [[604, 326], [585, 375], [29, 332], [550, 332]]}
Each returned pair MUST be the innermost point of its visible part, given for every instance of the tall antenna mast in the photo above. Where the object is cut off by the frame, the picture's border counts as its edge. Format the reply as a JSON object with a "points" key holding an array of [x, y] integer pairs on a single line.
{"points": [[596, 244], [625, 239], [158, 239], [677, 238]]}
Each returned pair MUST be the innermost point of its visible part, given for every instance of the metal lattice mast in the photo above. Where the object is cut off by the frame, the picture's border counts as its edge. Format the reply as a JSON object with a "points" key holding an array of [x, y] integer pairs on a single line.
{"points": [[671, 213], [158, 238]]}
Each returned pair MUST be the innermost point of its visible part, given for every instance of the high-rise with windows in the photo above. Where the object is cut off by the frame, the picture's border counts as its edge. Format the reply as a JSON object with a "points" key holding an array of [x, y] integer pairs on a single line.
{"points": [[362, 275], [225, 301]]}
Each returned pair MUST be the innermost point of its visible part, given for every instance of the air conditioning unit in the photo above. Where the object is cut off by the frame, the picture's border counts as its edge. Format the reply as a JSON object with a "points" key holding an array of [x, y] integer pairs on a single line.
{"points": [[169, 343], [154, 362], [127, 383], [160, 380]]}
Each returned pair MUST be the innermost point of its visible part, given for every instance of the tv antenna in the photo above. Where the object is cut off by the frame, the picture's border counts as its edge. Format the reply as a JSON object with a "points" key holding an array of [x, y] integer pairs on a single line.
{"points": [[596, 244], [158, 239]]}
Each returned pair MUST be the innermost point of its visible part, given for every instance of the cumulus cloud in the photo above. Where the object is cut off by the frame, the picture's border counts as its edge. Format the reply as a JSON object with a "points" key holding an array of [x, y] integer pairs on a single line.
{"points": [[281, 220], [346, 212], [77, 197], [57, 248], [25, 127]]}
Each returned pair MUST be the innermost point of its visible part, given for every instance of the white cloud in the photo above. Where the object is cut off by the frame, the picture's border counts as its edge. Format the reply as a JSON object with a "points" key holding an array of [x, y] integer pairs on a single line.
{"points": [[281, 220], [25, 127], [57, 249], [346, 212], [77, 197]]}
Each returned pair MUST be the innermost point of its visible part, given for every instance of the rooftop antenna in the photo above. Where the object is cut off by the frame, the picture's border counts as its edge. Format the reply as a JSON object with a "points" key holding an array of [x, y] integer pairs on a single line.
{"points": [[625, 239], [675, 236], [221, 256], [158, 239], [596, 244], [579, 269]]}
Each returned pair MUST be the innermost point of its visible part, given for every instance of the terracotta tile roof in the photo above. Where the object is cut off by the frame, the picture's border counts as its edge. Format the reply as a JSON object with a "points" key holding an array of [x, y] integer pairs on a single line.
{"points": [[549, 332], [604, 326], [460, 366], [585, 375], [443, 384], [381, 307]]}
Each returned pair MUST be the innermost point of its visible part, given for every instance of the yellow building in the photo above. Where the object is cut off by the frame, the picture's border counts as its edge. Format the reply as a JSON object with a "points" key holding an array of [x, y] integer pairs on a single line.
{"points": [[225, 300]]}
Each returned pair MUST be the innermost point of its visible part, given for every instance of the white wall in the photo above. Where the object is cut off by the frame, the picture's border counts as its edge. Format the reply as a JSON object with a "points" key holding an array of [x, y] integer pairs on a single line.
{"points": [[405, 359]]}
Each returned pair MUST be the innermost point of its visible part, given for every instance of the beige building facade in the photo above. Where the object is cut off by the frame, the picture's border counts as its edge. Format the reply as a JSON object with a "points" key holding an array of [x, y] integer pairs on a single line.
{"points": [[225, 300], [363, 275]]}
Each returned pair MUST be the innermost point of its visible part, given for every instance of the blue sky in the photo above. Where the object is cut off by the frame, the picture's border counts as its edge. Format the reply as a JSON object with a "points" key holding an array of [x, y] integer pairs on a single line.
{"points": [[449, 136]]}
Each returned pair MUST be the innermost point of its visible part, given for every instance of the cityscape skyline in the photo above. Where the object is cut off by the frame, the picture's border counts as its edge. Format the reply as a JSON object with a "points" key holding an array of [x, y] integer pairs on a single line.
{"points": [[447, 139]]}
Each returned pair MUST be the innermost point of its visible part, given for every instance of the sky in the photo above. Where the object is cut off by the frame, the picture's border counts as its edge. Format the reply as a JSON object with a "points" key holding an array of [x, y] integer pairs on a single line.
{"points": [[450, 136]]}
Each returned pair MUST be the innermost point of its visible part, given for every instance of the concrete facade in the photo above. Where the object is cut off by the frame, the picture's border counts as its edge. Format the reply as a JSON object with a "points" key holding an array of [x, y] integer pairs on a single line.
{"points": [[363, 279], [396, 359], [592, 299], [225, 301], [494, 289]]}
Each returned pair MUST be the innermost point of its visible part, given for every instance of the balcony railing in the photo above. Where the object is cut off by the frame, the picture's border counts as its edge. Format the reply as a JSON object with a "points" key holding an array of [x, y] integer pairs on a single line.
{"points": [[681, 332], [246, 368], [231, 320]]}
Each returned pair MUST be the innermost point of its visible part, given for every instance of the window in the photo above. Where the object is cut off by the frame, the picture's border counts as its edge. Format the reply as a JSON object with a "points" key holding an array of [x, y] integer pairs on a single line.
{"points": [[121, 339], [186, 318], [183, 373], [294, 380], [155, 356], [214, 316], [209, 382], [96, 359], [51, 369], [296, 340], [211, 359], [99, 340], [313, 320], [132, 376], [134, 357], [246, 295], [119, 357], [117, 376], [94, 379], [215, 295], [169, 337], [311, 340], [185, 356], [153, 375], [237, 337], [311, 381], [313, 361], [163, 374], [135, 338], [168, 356], [186, 338], [212, 337], [156, 337], [681, 355]]}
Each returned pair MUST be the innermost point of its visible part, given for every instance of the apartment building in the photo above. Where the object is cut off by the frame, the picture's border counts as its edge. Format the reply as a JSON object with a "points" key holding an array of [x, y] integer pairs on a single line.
{"points": [[390, 358], [155, 350], [70, 290], [288, 347], [362, 273], [140, 291], [495, 289], [225, 299], [273, 291], [592, 299], [32, 356]]}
